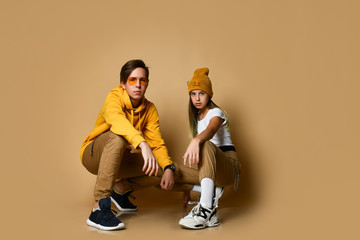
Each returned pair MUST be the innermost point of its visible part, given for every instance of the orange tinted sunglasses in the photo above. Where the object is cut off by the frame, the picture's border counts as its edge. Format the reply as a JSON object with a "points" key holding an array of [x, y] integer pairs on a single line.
{"points": [[133, 80]]}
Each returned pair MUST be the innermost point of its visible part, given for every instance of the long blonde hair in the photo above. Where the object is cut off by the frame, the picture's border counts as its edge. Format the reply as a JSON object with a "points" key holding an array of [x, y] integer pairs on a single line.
{"points": [[194, 116]]}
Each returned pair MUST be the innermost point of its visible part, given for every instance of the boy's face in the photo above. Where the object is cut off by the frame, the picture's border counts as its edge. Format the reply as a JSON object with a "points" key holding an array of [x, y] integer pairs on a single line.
{"points": [[136, 86]]}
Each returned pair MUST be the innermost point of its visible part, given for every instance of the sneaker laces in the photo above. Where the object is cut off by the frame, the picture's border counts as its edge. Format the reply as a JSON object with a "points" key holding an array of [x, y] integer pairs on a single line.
{"points": [[108, 213], [192, 203], [126, 197], [131, 196], [196, 210]]}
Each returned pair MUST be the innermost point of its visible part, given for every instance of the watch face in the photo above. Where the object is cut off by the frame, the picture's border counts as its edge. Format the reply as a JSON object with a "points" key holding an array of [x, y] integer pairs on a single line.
{"points": [[171, 167]]}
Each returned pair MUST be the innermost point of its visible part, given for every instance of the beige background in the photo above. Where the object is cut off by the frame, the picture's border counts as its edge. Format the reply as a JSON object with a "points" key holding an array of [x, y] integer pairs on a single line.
{"points": [[287, 72]]}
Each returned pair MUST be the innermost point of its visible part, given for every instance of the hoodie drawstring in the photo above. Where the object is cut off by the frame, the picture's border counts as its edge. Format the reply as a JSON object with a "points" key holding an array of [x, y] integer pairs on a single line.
{"points": [[132, 120]]}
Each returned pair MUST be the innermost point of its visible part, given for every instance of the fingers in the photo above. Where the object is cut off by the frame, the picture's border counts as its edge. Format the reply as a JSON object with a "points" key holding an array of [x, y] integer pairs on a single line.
{"points": [[167, 181], [162, 184], [193, 159], [167, 185], [185, 158], [154, 167], [157, 168], [197, 158], [151, 166], [145, 165], [171, 185], [150, 169]]}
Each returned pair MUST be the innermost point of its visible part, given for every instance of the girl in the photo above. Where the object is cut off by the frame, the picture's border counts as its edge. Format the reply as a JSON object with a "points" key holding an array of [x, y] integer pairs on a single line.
{"points": [[210, 156]]}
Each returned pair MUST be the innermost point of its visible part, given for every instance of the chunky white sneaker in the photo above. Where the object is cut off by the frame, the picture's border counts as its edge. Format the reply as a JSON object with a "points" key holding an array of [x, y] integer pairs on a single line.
{"points": [[200, 217]]}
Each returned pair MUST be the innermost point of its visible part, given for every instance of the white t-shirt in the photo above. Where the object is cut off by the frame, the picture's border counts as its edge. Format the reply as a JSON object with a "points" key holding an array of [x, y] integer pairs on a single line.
{"points": [[222, 136]]}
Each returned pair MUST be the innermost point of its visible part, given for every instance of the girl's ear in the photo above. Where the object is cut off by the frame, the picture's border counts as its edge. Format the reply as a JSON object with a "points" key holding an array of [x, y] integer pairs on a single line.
{"points": [[123, 85]]}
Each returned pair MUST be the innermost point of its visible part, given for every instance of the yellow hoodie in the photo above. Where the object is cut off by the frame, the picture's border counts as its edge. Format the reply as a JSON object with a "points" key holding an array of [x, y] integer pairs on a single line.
{"points": [[134, 124]]}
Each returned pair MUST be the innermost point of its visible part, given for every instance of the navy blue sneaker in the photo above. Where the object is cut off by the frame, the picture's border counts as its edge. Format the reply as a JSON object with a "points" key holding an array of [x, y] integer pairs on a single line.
{"points": [[122, 201], [104, 218]]}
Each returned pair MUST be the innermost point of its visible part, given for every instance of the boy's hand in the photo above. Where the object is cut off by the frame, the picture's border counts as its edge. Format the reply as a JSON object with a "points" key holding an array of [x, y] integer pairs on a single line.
{"points": [[150, 163], [167, 180]]}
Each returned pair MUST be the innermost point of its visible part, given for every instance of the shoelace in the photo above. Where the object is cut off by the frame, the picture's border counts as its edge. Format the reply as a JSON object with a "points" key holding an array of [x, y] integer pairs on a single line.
{"points": [[127, 201], [192, 203], [109, 213], [196, 210]]}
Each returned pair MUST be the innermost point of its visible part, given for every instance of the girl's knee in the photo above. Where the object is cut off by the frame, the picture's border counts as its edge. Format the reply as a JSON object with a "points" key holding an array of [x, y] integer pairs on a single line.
{"points": [[208, 146]]}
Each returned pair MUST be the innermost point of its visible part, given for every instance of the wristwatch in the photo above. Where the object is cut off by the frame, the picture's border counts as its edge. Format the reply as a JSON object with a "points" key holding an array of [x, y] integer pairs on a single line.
{"points": [[171, 167]]}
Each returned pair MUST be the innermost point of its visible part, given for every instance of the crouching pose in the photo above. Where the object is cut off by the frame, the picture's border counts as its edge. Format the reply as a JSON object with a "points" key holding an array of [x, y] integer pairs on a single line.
{"points": [[210, 161], [125, 144]]}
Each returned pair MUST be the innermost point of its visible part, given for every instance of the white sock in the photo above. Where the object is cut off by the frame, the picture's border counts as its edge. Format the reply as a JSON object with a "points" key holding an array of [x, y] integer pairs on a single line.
{"points": [[207, 192], [196, 188]]}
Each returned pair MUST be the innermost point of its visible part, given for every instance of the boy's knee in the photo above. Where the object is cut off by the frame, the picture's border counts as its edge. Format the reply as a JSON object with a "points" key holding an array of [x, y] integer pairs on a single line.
{"points": [[116, 141]]}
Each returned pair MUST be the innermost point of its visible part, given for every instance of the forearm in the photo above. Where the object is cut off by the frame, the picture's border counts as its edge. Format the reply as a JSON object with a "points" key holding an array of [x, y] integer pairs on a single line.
{"points": [[207, 134], [210, 131]]}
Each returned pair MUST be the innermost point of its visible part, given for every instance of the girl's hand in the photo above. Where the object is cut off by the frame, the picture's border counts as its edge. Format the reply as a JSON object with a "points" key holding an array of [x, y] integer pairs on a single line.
{"points": [[192, 154], [150, 162]]}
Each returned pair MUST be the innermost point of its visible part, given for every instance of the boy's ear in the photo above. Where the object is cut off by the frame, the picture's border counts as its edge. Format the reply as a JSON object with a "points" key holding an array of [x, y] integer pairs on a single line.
{"points": [[123, 85]]}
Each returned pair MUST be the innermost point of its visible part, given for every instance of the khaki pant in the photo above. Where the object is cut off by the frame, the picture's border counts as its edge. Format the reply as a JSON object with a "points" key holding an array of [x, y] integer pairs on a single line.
{"points": [[222, 167], [110, 159]]}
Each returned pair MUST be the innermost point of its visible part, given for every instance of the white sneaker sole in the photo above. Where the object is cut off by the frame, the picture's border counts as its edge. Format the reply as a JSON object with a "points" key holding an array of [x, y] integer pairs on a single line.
{"points": [[92, 224], [199, 226], [122, 209], [214, 223], [196, 227]]}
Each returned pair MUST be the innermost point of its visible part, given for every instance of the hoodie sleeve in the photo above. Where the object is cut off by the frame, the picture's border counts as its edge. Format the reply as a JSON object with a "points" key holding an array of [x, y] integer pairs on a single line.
{"points": [[153, 137], [114, 116]]}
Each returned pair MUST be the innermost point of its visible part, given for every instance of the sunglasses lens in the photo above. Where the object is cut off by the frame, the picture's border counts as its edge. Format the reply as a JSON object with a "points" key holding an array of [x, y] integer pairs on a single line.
{"points": [[132, 80], [144, 81]]}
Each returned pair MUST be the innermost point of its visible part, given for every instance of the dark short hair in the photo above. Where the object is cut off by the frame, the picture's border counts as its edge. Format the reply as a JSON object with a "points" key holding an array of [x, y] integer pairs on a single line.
{"points": [[131, 66]]}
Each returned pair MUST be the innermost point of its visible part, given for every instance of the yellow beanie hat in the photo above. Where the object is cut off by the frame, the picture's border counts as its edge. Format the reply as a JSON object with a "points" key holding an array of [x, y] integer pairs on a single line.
{"points": [[201, 81]]}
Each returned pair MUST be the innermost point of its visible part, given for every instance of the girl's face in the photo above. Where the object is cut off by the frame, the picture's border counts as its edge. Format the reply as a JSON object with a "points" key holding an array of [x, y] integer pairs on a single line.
{"points": [[136, 85], [199, 99]]}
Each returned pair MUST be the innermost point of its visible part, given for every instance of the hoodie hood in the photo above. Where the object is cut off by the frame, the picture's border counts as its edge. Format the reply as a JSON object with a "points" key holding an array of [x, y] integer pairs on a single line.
{"points": [[128, 104], [134, 111]]}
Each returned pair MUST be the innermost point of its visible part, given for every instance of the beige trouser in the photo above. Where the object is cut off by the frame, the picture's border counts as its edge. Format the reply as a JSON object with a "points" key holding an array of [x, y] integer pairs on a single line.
{"points": [[222, 167], [109, 158]]}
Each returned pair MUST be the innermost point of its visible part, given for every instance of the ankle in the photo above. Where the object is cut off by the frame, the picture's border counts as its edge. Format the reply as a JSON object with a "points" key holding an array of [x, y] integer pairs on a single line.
{"points": [[119, 188]]}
